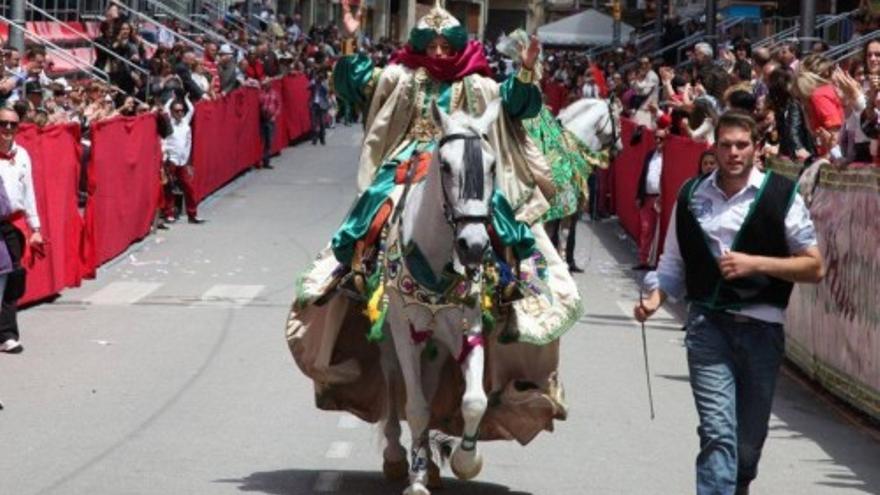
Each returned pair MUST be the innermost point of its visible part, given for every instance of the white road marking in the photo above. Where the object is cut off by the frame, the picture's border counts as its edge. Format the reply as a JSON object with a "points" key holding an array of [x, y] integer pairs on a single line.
{"points": [[234, 295], [349, 422], [327, 482], [121, 293], [339, 450], [626, 307]]}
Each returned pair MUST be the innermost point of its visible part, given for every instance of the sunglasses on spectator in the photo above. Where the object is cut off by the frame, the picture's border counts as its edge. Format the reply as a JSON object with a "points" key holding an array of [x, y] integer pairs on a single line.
{"points": [[8, 124], [177, 110]]}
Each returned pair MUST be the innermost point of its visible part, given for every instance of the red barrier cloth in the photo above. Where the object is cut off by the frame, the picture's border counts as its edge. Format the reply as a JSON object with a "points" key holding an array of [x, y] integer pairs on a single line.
{"points": [[281, 137], [555, 94], [626, 170], [681, 158], [124, 178], [54, 153], [226, 139], [295, 100]]}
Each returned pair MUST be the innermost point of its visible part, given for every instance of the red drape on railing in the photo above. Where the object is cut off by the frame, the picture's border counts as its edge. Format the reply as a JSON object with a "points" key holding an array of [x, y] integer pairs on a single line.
{"points": [[124, 178], [226, 139], [681, 158], [296, 104], [627, 169], [54, 153]]}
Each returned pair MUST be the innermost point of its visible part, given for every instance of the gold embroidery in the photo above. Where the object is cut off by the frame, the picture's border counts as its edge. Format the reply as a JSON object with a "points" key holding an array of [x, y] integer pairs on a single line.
{"points": [[435, 20], [525, 76]]}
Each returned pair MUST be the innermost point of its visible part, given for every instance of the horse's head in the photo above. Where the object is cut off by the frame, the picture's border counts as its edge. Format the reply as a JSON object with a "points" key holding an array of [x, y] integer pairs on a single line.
{"points": [[467, 175], [595, 122]]}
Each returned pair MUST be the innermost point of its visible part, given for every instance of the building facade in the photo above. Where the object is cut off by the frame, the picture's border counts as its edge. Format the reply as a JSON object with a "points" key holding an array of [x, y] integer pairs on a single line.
{"points": [[393, 18]]}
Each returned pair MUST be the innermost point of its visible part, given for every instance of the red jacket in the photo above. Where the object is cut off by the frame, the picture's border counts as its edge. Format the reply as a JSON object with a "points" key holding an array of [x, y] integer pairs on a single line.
{"points": [[255, 70], [555, 95]]}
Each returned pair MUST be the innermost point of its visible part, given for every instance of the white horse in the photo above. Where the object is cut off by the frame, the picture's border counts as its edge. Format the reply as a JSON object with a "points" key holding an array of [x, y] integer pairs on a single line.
{"points": [[442, 223], [596, 122]]}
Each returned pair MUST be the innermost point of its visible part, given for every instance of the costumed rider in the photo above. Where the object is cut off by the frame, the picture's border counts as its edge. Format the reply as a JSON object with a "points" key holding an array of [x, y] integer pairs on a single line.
{"points": [[337, 314], [571, 161]]}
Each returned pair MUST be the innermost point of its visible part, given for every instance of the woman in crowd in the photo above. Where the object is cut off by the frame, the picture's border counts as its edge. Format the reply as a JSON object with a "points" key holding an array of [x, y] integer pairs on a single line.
{"points": [[795, 140], [708, 162], [824, 108]]}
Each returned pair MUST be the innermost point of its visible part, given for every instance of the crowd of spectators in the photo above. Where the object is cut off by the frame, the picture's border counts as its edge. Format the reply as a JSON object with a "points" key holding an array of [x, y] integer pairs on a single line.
{"points": [[808, 105], [160, 64]]}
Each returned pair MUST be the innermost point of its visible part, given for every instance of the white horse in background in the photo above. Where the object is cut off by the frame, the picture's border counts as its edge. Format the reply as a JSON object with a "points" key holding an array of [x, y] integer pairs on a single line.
{"points": [[444, 218], [594, 121]]}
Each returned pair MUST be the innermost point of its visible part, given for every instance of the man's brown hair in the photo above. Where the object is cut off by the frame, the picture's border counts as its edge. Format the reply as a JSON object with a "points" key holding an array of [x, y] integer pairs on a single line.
{"points": [[737, 118]]}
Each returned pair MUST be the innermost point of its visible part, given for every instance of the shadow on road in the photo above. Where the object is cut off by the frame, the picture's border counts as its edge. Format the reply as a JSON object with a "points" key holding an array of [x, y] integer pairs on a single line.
{"points": [[853, 453], [304, 481]]}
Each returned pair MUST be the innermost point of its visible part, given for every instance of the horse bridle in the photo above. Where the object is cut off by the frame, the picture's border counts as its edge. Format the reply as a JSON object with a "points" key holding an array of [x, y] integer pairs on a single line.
{"points": [[613, 124], [451, 218]]}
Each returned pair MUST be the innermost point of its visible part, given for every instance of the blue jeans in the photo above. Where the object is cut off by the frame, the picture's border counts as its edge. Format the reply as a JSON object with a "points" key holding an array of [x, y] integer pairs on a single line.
{"points": [[733, 363]]}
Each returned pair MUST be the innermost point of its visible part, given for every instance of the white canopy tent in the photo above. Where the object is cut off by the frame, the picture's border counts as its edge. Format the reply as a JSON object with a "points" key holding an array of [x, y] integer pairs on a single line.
{"points": [[589, 27]]}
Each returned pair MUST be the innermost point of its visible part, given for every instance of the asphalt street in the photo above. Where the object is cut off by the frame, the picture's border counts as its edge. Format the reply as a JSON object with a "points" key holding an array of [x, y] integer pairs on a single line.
{"points": [[170, 374]]}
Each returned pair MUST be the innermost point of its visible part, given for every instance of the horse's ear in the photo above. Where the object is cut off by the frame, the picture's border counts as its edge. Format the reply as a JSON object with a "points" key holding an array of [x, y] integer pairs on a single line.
{"points": [[440, 116], [485, 121]]}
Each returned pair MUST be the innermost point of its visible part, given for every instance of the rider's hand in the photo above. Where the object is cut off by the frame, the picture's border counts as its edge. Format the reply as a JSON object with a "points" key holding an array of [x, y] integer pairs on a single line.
{"points": [[351, 22], [529, 54]]}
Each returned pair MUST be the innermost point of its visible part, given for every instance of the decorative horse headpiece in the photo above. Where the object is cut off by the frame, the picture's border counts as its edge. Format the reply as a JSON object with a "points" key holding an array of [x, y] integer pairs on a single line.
{"points": [[438, 22]]}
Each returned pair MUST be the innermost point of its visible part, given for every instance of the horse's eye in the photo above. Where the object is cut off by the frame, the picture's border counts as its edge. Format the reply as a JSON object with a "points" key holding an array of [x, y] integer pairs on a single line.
{"points": [[445, 167]]}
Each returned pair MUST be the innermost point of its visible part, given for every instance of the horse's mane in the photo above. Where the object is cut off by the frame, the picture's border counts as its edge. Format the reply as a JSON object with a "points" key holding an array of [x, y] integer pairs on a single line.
{"points": [[472, 183]]}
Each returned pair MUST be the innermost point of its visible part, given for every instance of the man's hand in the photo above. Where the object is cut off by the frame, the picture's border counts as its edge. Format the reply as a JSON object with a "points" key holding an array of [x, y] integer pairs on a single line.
{"points": [[529, 54], [647, 307], [36, 242], [190, 171], [735, 265]]}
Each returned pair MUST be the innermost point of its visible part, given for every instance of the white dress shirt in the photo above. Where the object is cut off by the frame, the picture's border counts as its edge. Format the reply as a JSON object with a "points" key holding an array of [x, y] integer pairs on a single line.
{"points": [[178, 145], [19, 185], [721, 218], [655, 169], [649, 85]]}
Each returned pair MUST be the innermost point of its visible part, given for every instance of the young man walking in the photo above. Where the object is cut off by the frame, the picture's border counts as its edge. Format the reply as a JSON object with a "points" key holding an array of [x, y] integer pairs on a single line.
{"points": [[738, 241]]}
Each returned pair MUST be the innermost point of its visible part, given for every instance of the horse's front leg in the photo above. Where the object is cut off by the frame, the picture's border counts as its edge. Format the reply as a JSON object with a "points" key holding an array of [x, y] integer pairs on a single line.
{"points": [[466, 460], [418, 411], [394, 466]]}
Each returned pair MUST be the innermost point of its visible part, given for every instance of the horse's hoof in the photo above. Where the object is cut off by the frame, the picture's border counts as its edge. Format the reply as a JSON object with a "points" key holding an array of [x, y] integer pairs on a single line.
{"points": [[395, 470], [416, 489], [466, 465], [435, 481]]}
